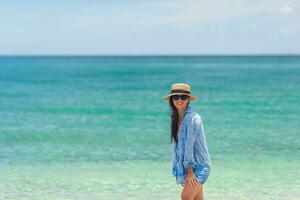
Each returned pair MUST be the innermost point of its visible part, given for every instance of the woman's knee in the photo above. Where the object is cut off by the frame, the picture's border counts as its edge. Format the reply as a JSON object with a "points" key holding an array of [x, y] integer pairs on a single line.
{"points": [[187, 196], [199, 195]]}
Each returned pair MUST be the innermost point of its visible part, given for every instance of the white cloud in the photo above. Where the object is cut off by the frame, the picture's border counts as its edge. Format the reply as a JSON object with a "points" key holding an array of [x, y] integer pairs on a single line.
{"points": [[286, 10], [289, 29], [178, 12]]}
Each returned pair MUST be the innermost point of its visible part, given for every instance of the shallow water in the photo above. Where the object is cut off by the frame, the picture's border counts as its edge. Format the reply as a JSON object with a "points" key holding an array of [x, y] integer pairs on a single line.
{"points": [[97, 127]]}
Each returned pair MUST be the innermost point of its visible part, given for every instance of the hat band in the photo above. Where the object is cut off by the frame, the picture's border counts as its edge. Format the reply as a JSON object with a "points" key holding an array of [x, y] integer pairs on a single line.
{"points": [[180, 91]]}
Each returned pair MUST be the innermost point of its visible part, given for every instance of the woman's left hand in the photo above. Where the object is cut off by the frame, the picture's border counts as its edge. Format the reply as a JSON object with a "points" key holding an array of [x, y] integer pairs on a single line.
{"points": [[190, 179]]}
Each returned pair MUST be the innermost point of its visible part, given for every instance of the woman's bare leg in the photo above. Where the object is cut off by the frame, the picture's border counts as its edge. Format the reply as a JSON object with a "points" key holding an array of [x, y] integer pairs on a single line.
{"points": [[200, 194], [191, 193]]}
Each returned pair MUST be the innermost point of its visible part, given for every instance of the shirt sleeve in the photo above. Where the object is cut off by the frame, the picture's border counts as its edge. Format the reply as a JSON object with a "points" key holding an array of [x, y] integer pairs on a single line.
{"points": [[192, 129], [203, 145]]}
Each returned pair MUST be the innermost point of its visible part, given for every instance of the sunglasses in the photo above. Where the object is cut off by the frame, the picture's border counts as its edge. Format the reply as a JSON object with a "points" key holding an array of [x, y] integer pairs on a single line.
{"points": [[182, 97]]}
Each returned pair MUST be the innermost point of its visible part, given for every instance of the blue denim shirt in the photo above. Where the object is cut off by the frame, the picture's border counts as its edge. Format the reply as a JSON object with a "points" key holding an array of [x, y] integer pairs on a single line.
{"points": [[191, 149]]}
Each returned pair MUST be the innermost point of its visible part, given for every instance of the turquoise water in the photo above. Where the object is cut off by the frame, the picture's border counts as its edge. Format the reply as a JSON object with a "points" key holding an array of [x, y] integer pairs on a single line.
{"points": [[97, 127]]}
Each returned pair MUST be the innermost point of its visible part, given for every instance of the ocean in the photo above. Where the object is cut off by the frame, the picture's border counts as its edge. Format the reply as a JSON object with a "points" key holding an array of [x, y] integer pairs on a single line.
{"points": [[96, 127]]}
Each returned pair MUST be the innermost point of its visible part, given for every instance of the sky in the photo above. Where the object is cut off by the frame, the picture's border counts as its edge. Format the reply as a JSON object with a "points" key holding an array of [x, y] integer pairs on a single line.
{"points": [[149, 27]]}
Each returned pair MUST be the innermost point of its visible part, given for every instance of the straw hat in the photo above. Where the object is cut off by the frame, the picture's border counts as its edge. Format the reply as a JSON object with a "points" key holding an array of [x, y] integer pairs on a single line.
{"points": [[180, 88]]}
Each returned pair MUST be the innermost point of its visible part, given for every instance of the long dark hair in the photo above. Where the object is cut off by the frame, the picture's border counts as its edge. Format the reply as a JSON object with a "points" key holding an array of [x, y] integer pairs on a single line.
{"points": [[174, 120]]}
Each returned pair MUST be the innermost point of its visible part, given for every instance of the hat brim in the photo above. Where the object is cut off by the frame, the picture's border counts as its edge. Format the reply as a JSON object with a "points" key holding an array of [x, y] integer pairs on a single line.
{"points": [[192, 97]]}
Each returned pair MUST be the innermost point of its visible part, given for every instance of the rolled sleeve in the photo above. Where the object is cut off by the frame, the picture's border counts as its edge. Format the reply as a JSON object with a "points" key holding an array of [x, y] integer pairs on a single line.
{"points": [[192, 129], [203, 146]]}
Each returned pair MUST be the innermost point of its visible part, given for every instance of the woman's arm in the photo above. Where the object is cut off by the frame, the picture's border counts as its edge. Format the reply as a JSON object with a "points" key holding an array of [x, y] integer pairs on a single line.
{"points": [[189, 162], [192, 129]]}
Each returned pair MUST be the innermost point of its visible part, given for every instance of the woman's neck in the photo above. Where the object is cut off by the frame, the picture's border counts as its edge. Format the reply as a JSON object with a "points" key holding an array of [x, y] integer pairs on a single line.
{"points": [[180, 113]]}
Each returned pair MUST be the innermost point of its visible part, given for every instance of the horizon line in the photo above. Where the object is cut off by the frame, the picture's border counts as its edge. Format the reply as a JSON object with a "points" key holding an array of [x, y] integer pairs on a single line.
{"points": [[149, 55]]}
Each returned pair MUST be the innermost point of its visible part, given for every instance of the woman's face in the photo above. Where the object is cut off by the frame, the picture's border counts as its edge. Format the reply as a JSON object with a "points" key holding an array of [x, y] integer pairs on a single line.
{"points": [[180, 104]]}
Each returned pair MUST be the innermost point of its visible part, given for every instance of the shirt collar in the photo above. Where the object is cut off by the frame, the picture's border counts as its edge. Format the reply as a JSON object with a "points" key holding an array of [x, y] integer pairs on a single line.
{"points": [[188, 109]]}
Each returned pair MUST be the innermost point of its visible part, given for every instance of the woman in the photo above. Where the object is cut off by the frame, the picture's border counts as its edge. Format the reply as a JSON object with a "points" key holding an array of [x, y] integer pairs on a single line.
{"points": [[191, 162]]}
